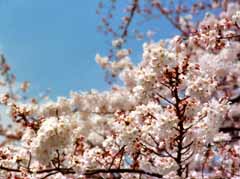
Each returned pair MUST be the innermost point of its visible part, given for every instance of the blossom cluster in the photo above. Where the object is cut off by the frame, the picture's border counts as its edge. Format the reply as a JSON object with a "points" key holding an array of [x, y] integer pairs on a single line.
{"points": [[167, 120]]}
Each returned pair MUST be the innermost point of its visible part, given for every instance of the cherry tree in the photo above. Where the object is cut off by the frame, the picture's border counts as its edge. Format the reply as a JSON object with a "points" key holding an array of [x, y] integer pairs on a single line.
{"points": [[175, 117]]}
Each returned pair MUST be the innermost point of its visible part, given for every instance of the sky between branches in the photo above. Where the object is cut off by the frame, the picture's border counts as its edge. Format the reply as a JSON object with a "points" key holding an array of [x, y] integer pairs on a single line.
{"points": [[53, 43]]}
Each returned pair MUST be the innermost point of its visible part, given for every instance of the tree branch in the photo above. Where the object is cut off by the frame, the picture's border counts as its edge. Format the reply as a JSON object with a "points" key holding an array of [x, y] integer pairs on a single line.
{"points": [[124, 170], [65, 171]]}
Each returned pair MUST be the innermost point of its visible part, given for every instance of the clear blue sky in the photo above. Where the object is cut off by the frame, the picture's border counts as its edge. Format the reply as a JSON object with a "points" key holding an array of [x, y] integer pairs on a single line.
{"points": [[52, 43]]}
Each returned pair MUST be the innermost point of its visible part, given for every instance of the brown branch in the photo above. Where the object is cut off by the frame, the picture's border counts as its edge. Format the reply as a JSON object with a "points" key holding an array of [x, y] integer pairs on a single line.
{"points": [[159, 6], [49, 174], [229, 129], [121, 151], [165, 99], [130, 18], [206, 156], [230, 37], [53, 171], [180, 108], [153, 151], [58, 170], [124, 170]]}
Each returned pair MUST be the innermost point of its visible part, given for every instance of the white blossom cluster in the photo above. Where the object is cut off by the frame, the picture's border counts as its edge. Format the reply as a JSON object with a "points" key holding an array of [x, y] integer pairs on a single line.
{"points": [[236, 18], [115, 67], [53, 135], [165, 119]]}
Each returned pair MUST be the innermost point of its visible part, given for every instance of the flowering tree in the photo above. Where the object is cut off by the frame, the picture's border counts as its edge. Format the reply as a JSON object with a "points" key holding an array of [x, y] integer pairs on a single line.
{"points": [[176, 116]]}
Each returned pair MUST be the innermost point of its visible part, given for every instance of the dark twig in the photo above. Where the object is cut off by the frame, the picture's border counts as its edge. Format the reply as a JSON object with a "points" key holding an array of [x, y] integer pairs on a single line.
{"points": [[124, 170]]}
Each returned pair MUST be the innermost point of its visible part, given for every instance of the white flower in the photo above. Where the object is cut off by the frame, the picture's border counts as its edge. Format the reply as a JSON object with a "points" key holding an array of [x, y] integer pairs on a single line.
{"points": [[236, 18], [122, 53], [222, 137], [117, 42], [158, 57], [102, 61], [121, 64], [54, 134], [202, 87], [115, 67]]}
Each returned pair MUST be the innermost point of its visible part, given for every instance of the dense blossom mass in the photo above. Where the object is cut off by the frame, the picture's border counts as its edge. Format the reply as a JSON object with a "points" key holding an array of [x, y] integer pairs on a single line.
{"points": [[175, 117]]}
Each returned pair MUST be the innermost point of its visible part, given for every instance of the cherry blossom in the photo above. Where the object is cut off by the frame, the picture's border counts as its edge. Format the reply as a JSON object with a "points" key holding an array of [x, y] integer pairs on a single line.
{"points": [[175, 116]]}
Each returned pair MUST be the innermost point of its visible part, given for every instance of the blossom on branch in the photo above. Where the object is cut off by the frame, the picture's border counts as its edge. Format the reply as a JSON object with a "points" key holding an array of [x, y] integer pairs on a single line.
{"points": [[176, 116]]}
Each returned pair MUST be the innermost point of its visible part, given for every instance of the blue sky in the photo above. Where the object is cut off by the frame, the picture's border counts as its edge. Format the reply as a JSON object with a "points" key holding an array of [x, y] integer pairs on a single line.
{"points": [[53, 43]]}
